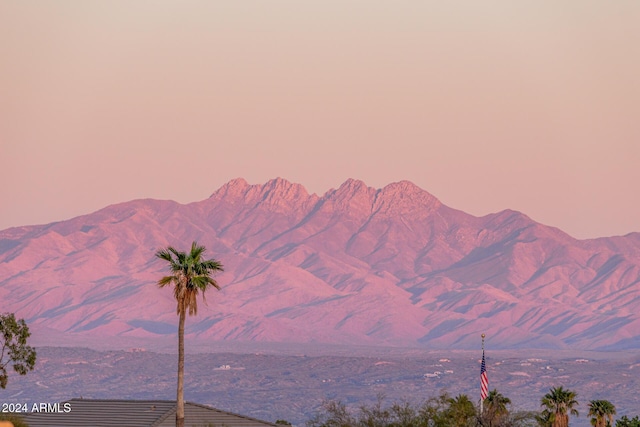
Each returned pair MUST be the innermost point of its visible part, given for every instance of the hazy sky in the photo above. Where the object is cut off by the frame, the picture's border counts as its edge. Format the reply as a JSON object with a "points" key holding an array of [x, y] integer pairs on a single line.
{"points": [[529, 105]]}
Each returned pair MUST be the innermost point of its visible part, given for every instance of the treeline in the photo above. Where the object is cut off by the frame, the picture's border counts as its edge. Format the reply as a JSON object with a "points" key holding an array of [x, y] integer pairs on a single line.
{"points": [[445, 410]]}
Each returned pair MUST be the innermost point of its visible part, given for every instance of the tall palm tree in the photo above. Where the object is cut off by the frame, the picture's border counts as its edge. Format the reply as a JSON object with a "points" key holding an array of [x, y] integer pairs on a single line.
{"points": [[190, 274], [602, 412], [560, 403]]}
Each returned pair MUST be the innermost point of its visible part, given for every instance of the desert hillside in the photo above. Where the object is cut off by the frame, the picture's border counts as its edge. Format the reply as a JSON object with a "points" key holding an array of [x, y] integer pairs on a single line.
{"points": [[356, 265]]}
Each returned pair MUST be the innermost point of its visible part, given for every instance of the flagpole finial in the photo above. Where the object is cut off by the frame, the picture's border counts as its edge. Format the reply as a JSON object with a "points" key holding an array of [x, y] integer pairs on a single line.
{"points": [[483, 335]]}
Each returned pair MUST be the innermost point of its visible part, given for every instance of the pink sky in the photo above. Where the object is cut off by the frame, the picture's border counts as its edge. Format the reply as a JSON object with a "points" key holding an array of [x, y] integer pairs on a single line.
{"points": [[528, 105]]}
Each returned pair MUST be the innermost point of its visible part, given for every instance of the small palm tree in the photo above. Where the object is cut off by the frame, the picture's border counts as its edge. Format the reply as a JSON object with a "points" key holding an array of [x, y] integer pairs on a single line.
{"points": [[560, 403], [544, 418], [461, 411], [190, 275], [602, 412], [495, 406]]}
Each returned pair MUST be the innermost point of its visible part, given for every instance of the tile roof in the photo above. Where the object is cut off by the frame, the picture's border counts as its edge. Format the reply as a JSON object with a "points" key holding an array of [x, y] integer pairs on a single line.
{"points": [[137, 413]]}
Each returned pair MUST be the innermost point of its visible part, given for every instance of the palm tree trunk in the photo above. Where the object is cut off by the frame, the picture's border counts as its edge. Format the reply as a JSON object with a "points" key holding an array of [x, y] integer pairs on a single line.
{"points": [[559, 420], [180, 397]]}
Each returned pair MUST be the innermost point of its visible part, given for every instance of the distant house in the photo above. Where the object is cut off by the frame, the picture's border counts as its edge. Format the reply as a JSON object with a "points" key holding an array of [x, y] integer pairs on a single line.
{"points": [[137, 413]]}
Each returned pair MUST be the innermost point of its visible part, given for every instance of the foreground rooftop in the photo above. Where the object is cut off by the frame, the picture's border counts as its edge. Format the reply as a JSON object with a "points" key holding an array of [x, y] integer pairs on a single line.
{"points": [[136, 413]]}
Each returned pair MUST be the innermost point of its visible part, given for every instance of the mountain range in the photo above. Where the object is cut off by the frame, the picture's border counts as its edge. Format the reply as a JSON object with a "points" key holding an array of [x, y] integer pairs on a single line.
{"points": [[357, 265]]}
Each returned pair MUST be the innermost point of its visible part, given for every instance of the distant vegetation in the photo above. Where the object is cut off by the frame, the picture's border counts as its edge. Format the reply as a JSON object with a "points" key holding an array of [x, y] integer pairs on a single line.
{"points": [[459, 411], [441, 411]]}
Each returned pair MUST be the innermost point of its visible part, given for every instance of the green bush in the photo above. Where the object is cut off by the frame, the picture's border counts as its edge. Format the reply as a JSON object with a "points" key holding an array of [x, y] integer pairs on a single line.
{"points": [[624, 421]]}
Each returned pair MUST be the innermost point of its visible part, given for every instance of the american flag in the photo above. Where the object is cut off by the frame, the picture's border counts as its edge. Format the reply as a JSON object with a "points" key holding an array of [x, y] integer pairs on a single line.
{"points": [[484, 380]]}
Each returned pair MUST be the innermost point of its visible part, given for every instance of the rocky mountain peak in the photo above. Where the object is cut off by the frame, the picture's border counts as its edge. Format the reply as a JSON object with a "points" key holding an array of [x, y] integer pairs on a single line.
{"points": [[404, 197], [354, 184], [232, 189], [352, 188], [274, 191], [282, 187], [353, 196], [280, 190]]}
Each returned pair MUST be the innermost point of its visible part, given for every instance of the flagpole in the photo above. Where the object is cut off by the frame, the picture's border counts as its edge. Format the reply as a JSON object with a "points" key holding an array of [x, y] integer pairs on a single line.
{"points": [[481, 399]]}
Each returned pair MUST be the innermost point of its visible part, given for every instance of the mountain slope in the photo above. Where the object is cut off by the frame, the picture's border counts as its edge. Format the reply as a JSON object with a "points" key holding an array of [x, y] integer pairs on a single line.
{"points": [[390, 266]]}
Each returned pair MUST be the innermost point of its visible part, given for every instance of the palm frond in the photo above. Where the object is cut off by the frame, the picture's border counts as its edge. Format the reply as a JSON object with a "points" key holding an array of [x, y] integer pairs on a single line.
{"points": [[196, 251], [202, 282], [164, 254], [213, 283], [167, 280], [212, 265]]}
